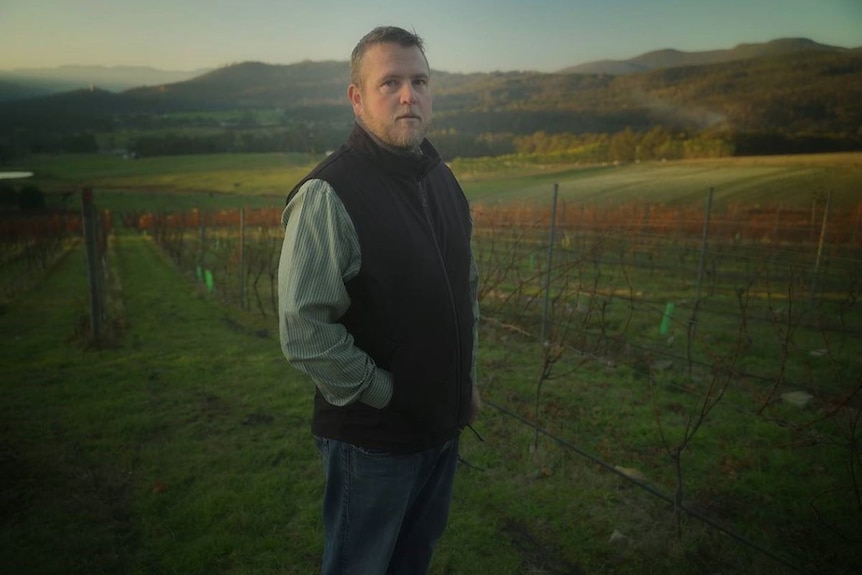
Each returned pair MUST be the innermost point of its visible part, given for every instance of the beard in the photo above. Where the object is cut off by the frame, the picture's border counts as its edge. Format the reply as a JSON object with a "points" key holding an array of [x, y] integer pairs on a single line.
{"points": [[400, 134]]}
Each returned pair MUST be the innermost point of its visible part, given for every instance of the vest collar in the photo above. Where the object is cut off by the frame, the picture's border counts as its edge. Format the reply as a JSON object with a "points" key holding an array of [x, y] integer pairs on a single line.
{"points": [[416, 165]]}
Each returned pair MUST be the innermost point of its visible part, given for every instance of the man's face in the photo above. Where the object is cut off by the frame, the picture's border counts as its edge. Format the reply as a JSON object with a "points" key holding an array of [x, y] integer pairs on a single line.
{"points": [[394, 100]]}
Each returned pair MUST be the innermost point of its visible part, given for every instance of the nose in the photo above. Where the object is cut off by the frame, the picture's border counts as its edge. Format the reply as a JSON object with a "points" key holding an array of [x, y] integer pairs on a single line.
{"points": [[408, 94]]}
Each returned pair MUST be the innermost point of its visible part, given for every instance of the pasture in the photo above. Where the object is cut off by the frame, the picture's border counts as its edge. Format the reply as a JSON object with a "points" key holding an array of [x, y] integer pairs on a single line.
{"points": [[717, 434], [262, 180]]}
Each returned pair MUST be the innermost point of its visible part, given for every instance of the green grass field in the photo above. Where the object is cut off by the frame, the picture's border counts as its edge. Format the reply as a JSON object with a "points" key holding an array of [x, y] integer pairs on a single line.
{"points": [[185, 449], [184, 446], [184, 182], [174, 183]]}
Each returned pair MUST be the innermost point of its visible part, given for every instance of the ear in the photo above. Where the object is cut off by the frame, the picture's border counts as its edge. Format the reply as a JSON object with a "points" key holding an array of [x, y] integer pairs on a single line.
{"points": [[354, 94]]}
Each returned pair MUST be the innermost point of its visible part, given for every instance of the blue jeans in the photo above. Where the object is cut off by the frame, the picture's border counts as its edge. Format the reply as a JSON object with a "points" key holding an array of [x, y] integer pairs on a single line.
{"points": [[383, 513]]}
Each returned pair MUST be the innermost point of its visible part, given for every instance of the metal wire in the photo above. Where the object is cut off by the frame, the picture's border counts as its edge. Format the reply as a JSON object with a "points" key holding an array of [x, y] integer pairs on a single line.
{"points": [[648, 488]]}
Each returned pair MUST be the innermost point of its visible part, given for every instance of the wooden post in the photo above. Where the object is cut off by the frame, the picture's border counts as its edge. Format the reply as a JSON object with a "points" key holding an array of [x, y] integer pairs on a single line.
{"points": [[776, 228], [692, 322], [856, 225], [550, 267], [94, 267], [702, 265], [242, 277], [201, 240], [820, 246]]}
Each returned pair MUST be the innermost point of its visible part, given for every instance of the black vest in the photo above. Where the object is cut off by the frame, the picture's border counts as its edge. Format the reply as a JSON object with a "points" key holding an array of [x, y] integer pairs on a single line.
{"points": [[410, 309]]}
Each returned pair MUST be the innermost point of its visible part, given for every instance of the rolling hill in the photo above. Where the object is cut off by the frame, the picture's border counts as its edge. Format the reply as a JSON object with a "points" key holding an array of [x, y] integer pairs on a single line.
{"points": [[29, 82], [791, 88], [670, 58]]}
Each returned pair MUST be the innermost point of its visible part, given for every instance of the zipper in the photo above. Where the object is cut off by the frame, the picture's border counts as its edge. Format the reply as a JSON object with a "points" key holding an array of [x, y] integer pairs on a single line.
{"points": [[423, 197]]}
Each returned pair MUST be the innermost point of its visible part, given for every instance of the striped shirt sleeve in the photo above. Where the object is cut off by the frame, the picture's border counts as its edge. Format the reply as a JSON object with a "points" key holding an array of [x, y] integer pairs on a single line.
{"points": [[474, 297], [319, 254]]}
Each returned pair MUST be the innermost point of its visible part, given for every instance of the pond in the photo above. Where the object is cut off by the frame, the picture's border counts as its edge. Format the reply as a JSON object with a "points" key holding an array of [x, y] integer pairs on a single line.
{"points": [[14, 175]]}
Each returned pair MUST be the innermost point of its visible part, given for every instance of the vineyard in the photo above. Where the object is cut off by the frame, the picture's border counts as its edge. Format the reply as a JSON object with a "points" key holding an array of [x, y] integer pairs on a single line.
{"points": [[714, 353], [705, 354], [31, 244]]}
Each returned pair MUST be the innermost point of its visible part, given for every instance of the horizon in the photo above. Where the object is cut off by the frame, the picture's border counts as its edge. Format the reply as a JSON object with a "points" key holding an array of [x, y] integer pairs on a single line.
{"points": [[346, 61], [460, 37]]}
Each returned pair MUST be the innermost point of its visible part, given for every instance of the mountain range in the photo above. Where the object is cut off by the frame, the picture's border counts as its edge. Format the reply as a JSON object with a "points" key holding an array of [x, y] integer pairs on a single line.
{"points": [[792, 87], [28, 82], [670, 58]]}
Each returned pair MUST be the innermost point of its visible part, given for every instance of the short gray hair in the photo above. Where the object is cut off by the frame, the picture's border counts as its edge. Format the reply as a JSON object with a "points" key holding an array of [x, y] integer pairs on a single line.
{"points": [[382, 35]]}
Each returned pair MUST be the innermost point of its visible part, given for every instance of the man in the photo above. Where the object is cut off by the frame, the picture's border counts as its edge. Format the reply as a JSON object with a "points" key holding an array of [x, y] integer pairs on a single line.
{"points": [[377, 298]]}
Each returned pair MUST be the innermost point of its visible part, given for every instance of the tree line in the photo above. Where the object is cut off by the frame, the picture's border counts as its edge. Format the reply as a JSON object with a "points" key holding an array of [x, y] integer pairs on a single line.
{"points": [[656, 143], [28, 197]]}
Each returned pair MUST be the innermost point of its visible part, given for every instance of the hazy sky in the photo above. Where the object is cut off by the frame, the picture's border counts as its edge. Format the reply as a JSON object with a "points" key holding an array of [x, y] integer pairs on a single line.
{"points": [[460, 35]]}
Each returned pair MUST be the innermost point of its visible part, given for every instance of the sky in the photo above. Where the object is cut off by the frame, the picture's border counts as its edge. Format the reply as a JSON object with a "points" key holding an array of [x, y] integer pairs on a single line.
{"points": [[460, 35]]}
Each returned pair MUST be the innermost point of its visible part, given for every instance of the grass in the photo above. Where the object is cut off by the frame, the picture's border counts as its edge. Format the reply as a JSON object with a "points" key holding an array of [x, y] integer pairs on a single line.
{"points": [[175, 182], [168, 453], [775, 182], [748, 473], [259, 180], [184, 447], [791, 181]]}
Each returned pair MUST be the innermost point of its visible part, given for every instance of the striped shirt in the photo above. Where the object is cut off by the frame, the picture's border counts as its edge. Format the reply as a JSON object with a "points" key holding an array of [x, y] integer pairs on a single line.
{"points": [[320, 254]]}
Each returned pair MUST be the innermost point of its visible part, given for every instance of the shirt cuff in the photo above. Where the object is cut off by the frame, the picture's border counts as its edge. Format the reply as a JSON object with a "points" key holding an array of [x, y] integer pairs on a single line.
{"points": [[379, 393]]}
